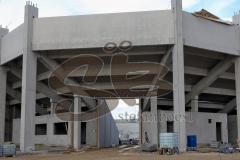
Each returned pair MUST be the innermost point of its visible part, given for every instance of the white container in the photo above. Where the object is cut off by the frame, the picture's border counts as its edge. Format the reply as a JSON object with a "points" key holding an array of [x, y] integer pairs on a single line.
{"points": [[168, 140]]}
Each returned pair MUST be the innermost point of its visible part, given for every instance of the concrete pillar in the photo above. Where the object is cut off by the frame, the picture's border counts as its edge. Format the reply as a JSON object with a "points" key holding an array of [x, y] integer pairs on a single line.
{"points": [[140, 122], [52, 107], [76, 123], [237, 81], [178, 76], [3, 85], [194, 104], [154, 123], [29, 73]]}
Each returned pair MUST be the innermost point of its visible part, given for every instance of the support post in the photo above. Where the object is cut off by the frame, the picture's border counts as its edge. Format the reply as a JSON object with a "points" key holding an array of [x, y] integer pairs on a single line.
{"points": [[3, 91], [237, 81], [29, 74], [154, 123], [77, 123], [140, 122], [3, 84], [178, 76], [52, 107], [194, 104]]}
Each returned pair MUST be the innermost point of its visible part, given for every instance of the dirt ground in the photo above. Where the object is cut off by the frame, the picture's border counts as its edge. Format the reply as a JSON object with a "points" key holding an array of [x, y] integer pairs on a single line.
{"points": [[118, 154]]}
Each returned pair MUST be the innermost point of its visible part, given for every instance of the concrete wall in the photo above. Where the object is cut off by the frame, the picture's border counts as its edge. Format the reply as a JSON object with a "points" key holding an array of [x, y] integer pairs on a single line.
{"points": [[91, 133], [50, 138], [206, 34], [232, 129], [12, 45], [196, 124], [91, 31], [16, 131], [236, 19], [128, 130], [109, 134], [206, 132]]}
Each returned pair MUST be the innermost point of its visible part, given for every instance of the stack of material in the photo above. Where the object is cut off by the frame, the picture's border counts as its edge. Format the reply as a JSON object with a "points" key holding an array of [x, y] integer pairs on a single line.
{"points": [[209, 16], [214, 144], [226, 148], [147, 147], [1, 150], [169, 151], [168, 140], [9, 150]]}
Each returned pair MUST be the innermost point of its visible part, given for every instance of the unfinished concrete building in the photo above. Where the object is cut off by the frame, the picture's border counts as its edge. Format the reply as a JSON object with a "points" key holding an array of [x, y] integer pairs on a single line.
{"points": [[201, 51]]}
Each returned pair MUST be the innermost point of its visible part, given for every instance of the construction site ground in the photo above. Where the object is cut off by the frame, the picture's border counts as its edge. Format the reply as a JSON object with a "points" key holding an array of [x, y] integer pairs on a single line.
{"points": [[121, 154]]}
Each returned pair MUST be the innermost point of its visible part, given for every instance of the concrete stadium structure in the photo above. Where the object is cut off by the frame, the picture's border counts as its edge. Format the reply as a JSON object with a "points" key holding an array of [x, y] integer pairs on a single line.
{"points": [[203, 56]]}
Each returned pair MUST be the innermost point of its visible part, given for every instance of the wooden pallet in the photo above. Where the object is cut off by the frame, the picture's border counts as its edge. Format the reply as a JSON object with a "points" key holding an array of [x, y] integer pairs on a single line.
{"points": [[168, 151]]}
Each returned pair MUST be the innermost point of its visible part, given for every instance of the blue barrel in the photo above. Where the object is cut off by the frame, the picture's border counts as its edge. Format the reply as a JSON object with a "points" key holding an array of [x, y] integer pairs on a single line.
{"points": [[168, 140], [192, 141]]}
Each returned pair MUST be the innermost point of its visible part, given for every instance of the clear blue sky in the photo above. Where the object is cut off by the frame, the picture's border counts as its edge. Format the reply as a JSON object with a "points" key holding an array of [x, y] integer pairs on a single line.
{"points": [[11, 11]]}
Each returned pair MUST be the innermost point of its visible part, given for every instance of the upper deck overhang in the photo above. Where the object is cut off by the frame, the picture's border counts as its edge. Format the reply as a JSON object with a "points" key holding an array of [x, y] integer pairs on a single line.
{"points": [[147, 28]]}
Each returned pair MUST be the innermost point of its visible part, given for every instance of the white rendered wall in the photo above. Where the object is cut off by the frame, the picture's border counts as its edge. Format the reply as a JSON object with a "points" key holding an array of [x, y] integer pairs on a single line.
{"points": [[206, 34], [232, 129], [50, 138], [12, 45], [93, 31], [196, 124]]}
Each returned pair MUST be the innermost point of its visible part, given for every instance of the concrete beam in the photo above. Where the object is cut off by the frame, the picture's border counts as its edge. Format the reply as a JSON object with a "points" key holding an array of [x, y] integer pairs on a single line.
{"points": [[205, 105], [165, 61], [213, 75], [41, 87], [40, 77], [70, 54], [204, 72], [14, 94], [229, 106], [120, 70], [15, 101], [52, 65]]}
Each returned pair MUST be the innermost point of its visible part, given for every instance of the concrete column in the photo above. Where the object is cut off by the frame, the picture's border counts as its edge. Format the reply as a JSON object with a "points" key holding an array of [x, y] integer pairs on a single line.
{"points": [[29, 73], [194, 104], [178, 76], [237, 81], [154, 123], [140, 122], [76, 123], [52, 107], [3, 85]]}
